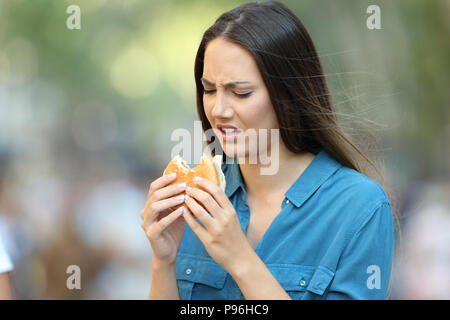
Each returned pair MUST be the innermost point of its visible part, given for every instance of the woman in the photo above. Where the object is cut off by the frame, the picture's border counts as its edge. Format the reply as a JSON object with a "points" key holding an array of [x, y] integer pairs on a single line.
{"points": [[318, 228]]}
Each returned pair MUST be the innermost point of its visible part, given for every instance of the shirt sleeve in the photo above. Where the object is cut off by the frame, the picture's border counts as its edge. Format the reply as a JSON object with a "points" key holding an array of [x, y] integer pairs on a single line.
{"points": [[5, 262], [364, 269]]}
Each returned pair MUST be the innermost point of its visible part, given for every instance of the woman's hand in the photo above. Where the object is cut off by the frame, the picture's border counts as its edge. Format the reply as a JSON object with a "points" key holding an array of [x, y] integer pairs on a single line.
{"points": [[222, 235], [163, 226]]}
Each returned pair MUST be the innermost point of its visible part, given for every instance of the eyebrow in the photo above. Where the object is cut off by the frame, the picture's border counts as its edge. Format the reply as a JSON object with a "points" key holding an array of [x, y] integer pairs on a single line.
{"points": [[227, 85]]}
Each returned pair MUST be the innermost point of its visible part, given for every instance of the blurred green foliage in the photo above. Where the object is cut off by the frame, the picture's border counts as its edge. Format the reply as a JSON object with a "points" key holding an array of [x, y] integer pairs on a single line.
{"points": [[137, 57]]}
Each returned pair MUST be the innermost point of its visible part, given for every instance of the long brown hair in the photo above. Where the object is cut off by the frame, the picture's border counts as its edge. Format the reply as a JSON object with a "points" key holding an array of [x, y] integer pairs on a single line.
{"points": [[292, 72]]}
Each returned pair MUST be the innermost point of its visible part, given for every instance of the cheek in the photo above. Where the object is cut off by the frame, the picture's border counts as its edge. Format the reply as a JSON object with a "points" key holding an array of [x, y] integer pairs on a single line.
{"points": [[207, 107], [255, 112], [260, 114]]}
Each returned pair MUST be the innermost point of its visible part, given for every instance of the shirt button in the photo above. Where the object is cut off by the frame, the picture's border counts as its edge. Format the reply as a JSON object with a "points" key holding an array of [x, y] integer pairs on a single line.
{"points": [[302, 283], [188, 271], [287, 201]]}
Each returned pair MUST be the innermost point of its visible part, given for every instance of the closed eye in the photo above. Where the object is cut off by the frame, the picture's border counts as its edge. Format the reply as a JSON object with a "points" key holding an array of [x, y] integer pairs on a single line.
{"points": [[240, 95], [243, 95]]}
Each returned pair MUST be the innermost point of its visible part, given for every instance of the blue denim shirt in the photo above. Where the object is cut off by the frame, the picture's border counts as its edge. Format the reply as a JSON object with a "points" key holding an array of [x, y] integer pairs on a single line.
{"points": [[333, 239]]}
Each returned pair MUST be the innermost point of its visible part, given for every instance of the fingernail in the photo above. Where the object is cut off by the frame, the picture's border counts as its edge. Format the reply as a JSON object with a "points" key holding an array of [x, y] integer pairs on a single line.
{"points": [[180, 198], [180, 210], [188, 189], [172, 175], [182, 185], [197, 179]]}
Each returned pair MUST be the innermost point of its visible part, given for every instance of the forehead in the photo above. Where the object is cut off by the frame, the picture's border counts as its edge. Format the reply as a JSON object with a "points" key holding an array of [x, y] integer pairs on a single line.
{"points": [[226, 61]]}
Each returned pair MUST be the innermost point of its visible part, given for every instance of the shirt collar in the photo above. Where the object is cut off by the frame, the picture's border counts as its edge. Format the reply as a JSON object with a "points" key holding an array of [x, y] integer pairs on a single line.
{"points": [[233, 177], [318, 171]]}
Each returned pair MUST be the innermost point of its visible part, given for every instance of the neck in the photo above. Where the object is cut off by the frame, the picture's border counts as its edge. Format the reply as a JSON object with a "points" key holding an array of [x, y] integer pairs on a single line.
{"points": [[266, 187]]}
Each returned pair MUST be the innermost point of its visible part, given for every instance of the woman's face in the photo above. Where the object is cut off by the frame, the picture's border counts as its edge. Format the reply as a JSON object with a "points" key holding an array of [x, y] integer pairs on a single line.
{"points": [[244, 105]]}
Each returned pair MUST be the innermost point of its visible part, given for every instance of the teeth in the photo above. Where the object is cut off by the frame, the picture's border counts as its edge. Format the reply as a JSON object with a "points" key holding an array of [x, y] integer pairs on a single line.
{"points": [[229, 130]]}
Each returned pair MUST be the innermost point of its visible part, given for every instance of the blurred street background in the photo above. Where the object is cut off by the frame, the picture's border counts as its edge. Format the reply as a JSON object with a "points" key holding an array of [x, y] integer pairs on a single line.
{"points": [[86, 118]]}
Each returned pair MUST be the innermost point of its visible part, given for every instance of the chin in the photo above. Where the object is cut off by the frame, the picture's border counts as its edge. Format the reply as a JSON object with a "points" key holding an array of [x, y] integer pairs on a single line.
{"points": [[240, 152]]}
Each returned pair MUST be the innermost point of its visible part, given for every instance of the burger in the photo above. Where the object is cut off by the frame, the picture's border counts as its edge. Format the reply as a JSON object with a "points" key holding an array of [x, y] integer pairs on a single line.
{"points": [[209, 168]]}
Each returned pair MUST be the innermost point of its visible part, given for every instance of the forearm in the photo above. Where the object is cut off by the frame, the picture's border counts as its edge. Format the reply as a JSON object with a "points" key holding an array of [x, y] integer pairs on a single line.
{"points": [[256, 281], [5, 289], [163, 284]]}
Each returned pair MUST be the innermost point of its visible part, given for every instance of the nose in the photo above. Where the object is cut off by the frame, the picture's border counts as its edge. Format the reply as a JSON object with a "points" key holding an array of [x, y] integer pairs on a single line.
{"points": [[221, 110]]}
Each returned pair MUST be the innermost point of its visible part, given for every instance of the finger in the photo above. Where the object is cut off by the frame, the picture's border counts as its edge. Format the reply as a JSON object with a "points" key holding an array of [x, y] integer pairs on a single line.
{"points": [[161, 182], [166, 221], [163, 193], [168, 191], [198, 229], [158, 206], [200, 213], [206, 200], [214, 190]]}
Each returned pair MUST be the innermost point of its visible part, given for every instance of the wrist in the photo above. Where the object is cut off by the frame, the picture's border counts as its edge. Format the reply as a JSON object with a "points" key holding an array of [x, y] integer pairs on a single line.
{"points": [[159, 265], [243, 265]]}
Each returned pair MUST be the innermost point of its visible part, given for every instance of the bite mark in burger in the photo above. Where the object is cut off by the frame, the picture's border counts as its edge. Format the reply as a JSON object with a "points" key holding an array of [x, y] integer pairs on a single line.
{"points": [[208, 168]]}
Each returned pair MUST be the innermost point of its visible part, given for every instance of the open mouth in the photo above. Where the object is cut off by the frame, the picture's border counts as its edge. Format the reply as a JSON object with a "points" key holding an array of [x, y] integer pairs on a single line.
{"points": [[230, 134], [229, 130]]}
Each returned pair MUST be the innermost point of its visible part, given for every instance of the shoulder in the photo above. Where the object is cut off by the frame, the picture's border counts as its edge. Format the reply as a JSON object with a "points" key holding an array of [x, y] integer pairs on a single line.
{"points": [[352, 185], [356, 197]]}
